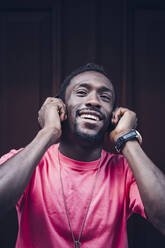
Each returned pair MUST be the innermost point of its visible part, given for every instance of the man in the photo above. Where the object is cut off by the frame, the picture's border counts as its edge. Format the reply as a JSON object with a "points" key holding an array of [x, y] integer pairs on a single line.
{"points": [[69, 192]]}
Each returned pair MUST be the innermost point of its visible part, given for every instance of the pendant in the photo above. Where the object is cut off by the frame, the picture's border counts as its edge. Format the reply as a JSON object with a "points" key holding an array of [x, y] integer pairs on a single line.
{"points": [[76, 244]]}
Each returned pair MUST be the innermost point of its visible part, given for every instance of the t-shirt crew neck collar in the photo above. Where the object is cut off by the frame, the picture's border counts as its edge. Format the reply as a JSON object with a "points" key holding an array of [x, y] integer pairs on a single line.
{"points": [[79, 165]]}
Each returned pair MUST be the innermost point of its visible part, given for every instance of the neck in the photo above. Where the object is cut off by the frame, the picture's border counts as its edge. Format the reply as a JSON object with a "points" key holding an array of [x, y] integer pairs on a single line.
{"points": [[80, 151]]}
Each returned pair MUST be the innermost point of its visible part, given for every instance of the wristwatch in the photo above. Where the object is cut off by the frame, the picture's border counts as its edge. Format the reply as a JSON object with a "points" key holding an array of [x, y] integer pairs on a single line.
{"points": [[133, 134]]}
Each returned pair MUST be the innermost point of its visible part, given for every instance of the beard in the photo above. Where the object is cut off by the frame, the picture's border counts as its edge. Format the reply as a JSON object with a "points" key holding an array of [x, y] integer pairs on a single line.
{"points": [[87, 137], [73, 131]]}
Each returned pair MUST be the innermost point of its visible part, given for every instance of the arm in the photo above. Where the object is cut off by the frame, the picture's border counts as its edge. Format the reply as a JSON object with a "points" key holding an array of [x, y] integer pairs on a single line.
{"points": [[16, 172], [149, 178]]}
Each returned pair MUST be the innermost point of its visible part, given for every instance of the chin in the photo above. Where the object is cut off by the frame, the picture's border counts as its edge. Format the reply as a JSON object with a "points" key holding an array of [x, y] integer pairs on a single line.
{"points": [[92, 138]]}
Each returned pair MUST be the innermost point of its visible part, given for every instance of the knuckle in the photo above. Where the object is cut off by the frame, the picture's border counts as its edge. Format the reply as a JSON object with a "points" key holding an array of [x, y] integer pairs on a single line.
{"points": [[47, 99], [56, 101], [50, 98], [60, 100], [132, 113]]}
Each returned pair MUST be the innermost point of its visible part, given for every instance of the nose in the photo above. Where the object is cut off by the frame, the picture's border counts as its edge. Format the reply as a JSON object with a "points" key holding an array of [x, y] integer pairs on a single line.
{"points": [[93, 100]]}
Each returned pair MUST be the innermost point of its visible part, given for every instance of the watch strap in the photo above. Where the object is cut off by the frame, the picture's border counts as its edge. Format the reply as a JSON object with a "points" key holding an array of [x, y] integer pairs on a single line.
{"points": [[133, 134]]}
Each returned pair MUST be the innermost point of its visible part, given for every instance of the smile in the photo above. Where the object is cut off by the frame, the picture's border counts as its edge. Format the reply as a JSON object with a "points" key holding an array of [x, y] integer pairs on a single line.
{"points": [[90, 117]]}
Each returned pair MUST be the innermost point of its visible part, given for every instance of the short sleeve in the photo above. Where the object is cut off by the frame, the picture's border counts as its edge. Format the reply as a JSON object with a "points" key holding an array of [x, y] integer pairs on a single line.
{"points": [[8, 155], [135, 204], [3, 159]]}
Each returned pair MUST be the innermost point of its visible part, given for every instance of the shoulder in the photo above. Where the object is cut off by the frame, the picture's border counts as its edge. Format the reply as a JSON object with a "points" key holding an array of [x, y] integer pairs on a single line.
{"points": [[117, 164], [113, 159], [49, 158], [8, 155], [51, 152]]}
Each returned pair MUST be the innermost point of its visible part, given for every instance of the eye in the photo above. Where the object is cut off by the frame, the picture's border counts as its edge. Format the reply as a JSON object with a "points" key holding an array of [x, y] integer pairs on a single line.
{"points": [[81, 93], [106, 98]]}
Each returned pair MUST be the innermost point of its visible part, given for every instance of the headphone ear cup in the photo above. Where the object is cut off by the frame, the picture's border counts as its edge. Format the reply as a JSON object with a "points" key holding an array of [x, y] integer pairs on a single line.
{"points": [[111, 126]]}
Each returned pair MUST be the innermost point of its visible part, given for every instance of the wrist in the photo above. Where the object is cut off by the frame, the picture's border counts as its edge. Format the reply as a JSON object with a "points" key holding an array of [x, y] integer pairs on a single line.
{"points": [[129, 145], [132, 135], [51, 135], [119, 134]]}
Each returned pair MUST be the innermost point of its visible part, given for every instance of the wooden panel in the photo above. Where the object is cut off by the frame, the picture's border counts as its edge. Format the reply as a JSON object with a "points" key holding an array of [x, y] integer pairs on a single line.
{"points": [[78, 41], [25, 74], [146, 88], [42, 41], [149, 78], [110, 36], [92, 32]]}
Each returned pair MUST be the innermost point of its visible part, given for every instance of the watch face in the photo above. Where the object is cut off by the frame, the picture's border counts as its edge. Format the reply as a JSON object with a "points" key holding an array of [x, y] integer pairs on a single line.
{"points": [[130, 135]]}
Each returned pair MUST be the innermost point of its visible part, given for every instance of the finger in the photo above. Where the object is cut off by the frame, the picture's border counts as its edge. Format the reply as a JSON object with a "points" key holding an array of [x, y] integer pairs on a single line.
{"points": [[62, 112], [136, 123], [40, 122], [59, 104], [48, 100], [118, 113], [61, 108], [52, 100]]}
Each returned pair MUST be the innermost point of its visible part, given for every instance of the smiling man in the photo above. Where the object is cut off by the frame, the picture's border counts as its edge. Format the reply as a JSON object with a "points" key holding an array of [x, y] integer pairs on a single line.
{"points": [[89, 99], [68, 191]]}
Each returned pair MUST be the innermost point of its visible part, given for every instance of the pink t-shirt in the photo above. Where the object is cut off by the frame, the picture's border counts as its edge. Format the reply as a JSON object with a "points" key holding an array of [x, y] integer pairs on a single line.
{"points": [[41, 212]]}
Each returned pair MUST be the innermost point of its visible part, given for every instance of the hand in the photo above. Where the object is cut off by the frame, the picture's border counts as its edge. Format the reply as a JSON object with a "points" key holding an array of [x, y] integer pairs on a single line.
{"points": [[125, 120], [51, 114]]}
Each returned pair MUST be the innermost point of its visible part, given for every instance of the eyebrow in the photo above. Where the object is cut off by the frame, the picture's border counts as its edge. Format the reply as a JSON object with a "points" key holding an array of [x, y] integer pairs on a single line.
{"points": [[103, 88]]}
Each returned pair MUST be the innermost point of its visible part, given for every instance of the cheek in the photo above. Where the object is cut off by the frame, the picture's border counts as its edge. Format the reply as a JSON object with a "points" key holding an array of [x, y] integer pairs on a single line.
{"points": [[72, 106], [109, 115]]}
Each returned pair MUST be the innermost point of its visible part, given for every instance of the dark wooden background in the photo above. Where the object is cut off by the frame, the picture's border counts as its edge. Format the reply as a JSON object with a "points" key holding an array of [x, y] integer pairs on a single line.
{"points": [[42, 41]]}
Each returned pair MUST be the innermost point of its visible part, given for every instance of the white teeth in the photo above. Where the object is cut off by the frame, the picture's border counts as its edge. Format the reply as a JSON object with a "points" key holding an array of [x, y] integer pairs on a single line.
{"points": [[88, 116]]}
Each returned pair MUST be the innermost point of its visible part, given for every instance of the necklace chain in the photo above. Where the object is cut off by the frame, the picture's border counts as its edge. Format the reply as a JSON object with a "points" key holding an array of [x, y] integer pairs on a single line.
{"points": [[77, 242]]}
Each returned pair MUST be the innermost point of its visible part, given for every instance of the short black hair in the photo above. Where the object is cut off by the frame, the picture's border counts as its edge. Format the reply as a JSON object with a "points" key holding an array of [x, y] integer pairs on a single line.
{"points": [[81, 69]]}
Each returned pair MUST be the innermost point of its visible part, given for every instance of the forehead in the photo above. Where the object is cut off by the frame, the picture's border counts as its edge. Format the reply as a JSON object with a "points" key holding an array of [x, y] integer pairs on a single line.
{"points": [[91, 78]]}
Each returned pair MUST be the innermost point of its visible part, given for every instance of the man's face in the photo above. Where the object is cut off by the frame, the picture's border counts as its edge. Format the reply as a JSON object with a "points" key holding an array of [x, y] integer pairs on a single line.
{"points": [[89, 100]]}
